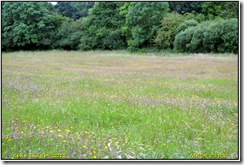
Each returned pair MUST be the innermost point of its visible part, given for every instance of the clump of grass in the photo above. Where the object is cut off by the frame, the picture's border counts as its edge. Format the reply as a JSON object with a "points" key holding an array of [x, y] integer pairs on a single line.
{"points": [[104, 105]]}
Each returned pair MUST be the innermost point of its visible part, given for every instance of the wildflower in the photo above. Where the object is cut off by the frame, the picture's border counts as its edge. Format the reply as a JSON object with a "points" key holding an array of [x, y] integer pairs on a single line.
{"points": [[67, 131], [84, 146], [21, 132], [60, 136], [64, 141], [59, 130], [94, 157], [117, 142], [106, 147], [94, 152], [86, 132], [164, 144], [199, 138], [47, 127], [51, 131], [9, 140]]}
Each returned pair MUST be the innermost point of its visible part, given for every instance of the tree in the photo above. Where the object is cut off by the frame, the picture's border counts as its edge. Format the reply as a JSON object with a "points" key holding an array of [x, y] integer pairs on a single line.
{"points": [[166, 34], [69, 34], [102, 27], [220, 9], [142, 22], [73, 10], [27, 25], [186, 7], [83, 7]]}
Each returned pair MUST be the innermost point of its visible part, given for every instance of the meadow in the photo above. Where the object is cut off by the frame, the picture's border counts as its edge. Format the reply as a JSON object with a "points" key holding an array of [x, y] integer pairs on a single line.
{"points": [[118, 105]]}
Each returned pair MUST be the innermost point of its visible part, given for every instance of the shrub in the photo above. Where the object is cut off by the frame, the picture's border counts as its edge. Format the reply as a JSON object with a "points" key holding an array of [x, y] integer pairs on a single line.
{"points": [[183, 39], [186, 24], [219, 36], [228, 36], [222, 36], [197, 44]]}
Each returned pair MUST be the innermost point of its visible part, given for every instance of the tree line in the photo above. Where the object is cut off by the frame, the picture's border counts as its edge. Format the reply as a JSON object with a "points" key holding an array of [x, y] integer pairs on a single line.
{"points": [[196, 27]]}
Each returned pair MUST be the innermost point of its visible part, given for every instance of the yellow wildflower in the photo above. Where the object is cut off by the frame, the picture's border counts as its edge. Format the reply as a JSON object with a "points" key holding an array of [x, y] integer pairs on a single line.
{"points": [[67, 131]]}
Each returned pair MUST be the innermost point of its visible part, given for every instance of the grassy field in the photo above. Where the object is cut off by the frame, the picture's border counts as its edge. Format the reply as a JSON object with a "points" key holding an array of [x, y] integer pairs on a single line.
{"points": [[117, 105]]}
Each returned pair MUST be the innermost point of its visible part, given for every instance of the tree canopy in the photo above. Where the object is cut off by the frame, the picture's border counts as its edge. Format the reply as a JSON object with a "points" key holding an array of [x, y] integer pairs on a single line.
{"points": [[120, 25], [27, 25]]}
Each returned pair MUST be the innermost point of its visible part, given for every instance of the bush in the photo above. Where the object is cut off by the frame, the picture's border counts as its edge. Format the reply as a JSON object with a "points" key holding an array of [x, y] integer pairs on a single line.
{"points": [[186, 24], [197, 44], [219, 36], [183, 39], [228, 36], [222, 36]]}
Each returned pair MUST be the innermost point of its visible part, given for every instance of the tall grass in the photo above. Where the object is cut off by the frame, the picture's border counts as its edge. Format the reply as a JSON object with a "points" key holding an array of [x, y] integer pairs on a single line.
{"points": [[117, 105]]}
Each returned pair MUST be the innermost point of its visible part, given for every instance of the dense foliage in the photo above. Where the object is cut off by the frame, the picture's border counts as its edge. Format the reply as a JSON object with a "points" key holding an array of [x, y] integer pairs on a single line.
{"points": [[216, 36], [143, 20], [102, 27], [220, 9], [27, 25], [73, 10], [69, 34], [166, 34], [182, 26], [186, 7]]}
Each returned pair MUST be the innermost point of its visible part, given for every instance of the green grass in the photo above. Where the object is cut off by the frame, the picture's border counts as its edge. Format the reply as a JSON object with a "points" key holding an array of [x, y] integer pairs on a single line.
{"points": [[117, 105]]}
